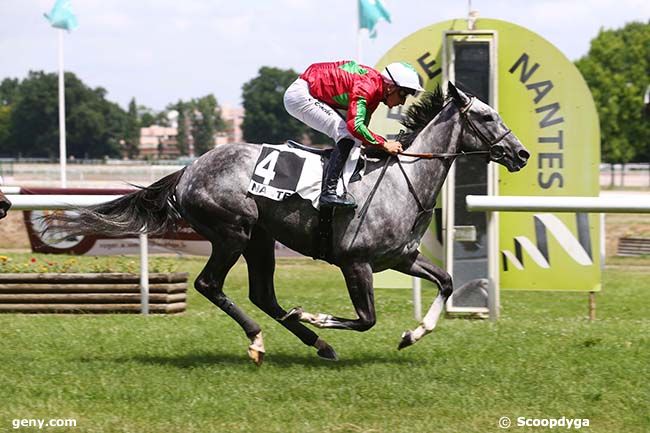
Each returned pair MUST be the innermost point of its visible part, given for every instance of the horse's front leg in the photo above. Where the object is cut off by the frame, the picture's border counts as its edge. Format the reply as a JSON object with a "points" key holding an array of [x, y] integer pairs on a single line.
{"points": [[358, 277], [418, 265]]}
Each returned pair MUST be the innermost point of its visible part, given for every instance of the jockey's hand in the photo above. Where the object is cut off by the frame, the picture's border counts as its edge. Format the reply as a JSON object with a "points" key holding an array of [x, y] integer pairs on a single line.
{"points": [[393, 147]]}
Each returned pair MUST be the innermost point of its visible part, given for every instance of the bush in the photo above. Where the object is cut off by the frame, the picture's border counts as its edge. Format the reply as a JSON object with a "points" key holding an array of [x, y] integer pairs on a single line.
{"points": [[48, 263]]}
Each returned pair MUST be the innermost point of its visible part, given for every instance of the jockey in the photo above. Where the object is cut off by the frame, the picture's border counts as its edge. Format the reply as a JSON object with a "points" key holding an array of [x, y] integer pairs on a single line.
{"points": [[324, 87]]}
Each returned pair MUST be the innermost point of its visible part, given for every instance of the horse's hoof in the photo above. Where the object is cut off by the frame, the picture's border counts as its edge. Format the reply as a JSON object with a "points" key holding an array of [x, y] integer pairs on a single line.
{"points": [[256, 349], [256, 356], [328, 353], [325, 351], [407, 340], [293, 314]]}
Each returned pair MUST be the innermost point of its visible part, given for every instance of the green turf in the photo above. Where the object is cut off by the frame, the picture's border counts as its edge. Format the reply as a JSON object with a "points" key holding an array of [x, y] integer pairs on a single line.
{"points": [[190, 373]]}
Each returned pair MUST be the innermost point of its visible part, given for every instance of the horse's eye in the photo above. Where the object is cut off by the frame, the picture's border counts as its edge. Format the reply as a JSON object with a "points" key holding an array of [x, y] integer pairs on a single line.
{"points": [[488, 118]]}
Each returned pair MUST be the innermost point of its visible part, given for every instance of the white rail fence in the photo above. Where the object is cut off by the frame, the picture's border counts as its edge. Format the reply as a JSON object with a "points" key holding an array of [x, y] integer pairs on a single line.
{"points": [[602, 205], [84, 175], [625, 175]]}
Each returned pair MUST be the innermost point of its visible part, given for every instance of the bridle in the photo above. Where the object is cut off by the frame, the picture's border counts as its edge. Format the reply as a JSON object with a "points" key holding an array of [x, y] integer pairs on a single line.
{"points": [[495, 151]]}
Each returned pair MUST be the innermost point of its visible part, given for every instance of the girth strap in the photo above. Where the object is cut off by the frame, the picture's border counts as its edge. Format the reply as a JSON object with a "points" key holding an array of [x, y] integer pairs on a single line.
{"points": [[322, 248]]}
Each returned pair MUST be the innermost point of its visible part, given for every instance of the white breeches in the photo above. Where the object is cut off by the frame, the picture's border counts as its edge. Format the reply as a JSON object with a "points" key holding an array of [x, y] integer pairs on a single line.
{"points": [[314, 113]]}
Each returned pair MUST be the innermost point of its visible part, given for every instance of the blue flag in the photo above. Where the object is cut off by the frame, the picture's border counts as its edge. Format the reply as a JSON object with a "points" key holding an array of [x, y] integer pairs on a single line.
{"points": [[371, 11], [61, 16]]}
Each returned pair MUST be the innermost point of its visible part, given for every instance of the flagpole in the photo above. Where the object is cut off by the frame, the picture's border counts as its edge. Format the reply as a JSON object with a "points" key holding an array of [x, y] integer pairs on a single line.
{"points": [[62, 144], [358, 29]]}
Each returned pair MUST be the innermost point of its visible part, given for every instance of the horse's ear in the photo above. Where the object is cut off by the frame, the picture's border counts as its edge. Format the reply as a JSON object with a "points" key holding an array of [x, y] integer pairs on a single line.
{"points": [[451, 89], [460, 98]]}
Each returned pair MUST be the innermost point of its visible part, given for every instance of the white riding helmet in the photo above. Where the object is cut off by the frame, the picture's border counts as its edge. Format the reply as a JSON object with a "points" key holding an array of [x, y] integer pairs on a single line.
{"points": [[403, 75]]}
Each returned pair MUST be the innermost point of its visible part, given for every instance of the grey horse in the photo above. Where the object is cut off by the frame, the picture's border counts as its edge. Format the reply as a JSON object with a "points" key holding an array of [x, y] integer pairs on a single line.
{"points": [[211, 195]]}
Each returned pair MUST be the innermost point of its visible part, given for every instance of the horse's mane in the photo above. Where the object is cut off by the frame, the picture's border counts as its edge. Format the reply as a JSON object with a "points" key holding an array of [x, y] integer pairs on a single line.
{"points": [[420, 114]]}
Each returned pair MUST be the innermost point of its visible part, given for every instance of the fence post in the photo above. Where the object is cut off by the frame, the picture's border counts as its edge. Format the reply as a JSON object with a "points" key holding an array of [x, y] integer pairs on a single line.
{"points": [[144, 274], [623, 175], [417, 298]]}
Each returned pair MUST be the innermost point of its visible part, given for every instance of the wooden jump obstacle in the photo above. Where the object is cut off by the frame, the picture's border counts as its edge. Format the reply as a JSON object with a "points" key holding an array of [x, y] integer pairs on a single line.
{"points": [[633, 246], [91, 293]]}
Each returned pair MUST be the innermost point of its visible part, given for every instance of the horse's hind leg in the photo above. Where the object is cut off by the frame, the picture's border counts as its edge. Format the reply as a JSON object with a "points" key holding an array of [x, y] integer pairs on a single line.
{"points": [[358, 277], [418, 265], [260, 258], [210, 284]]}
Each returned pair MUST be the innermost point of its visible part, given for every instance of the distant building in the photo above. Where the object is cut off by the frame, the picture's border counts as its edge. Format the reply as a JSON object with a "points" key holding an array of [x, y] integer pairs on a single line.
{"points": [[158, 142], [162, 142], [234, 117]]}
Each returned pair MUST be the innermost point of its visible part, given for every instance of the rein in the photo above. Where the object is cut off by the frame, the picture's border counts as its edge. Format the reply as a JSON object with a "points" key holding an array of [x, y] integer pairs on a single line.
{"points": [[422, 209], [443, 155]]}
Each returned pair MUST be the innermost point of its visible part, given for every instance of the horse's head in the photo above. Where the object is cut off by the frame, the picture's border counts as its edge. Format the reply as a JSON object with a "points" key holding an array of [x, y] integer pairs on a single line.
{"points": [[484, 130], [5, 204]]}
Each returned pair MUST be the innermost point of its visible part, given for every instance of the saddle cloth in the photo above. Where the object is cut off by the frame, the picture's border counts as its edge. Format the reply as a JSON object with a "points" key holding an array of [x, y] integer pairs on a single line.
{"points": [[282, 171]]}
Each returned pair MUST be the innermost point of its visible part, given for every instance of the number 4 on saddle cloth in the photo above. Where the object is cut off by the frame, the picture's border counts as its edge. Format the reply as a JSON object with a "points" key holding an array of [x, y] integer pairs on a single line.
{"points": [[283, 170]]}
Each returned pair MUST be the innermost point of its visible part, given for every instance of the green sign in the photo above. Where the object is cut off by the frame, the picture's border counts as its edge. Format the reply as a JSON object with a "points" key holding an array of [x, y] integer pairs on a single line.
{"points": [[546, 102]]}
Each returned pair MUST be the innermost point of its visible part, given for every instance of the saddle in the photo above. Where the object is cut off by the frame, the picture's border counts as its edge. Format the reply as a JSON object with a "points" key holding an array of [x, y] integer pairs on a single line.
{"points": [[289, 168], [322, 151], [322, 247]]}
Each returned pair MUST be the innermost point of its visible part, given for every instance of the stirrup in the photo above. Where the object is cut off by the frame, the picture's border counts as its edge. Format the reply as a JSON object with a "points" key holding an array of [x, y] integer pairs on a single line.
{"points": [[335, 200]]}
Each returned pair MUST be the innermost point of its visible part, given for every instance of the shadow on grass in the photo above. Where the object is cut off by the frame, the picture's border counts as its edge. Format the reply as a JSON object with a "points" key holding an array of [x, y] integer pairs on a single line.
{"points": [[281, 360]]}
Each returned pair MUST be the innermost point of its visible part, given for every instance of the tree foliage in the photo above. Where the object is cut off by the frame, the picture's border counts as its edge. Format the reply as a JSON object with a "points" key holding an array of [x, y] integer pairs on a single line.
{"points": [[132, 131], [8, 91], [617, 70], [206, 120], [198, 121], [266, 119], [94, 125], [182, 135]]}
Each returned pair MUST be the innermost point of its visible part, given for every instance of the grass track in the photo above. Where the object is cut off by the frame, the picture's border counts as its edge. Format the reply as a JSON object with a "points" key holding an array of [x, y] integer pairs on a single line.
{"points": [[190, 373]]}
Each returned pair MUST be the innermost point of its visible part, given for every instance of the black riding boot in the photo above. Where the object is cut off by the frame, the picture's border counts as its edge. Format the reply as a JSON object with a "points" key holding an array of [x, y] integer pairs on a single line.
{"points": [[328, 195]]}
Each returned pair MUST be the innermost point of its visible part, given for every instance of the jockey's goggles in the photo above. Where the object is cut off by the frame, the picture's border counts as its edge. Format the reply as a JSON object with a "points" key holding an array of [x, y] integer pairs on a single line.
{"points": [[404, 92]]}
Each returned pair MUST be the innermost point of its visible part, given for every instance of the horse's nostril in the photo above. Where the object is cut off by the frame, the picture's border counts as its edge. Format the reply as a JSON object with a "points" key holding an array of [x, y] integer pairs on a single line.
{"points": [[523, 154]]}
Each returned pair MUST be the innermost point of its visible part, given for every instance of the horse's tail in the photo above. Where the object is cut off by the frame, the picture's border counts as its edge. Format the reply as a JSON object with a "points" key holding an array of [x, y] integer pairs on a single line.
{"points": [[151, 209]]}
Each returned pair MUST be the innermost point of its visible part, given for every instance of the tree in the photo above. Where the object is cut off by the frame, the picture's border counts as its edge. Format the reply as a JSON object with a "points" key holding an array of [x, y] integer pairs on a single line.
{"points": [[148, 116], [8, 91], [160, 118], [94, 125], [266, 119], [34, 117], [206, 121], [132, 131], [5, 125], [198, 122], [617, 70], [182, 139]]}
